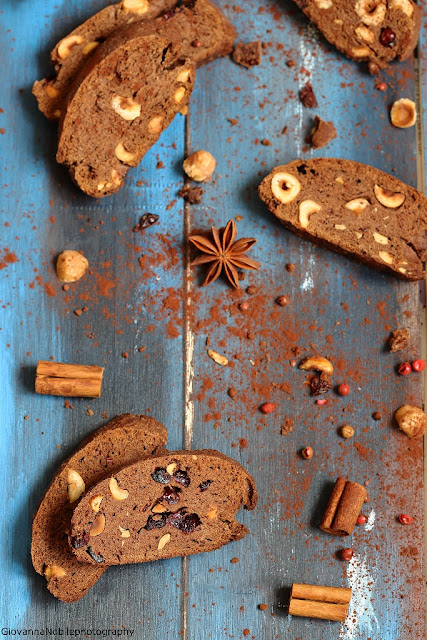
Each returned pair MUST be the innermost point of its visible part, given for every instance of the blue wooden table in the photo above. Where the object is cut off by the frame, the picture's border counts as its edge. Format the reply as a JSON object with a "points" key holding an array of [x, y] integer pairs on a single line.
{"points": [[148, 322]]}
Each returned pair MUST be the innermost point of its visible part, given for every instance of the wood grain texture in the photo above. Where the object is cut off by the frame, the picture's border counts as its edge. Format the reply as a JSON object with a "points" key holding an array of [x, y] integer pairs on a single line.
{"points": [[138, 295]]}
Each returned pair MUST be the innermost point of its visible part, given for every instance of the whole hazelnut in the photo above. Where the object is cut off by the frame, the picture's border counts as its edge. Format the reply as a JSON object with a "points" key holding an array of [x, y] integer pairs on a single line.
{"points": [[200, 166], [411, 420], [307, 453], [403, 113], [71, 266], [347, 431]]}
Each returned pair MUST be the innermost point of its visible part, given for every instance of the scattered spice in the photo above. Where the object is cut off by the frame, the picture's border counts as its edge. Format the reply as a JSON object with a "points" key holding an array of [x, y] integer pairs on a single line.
{"points": [[343, 389], [418, 365], [405, 519], [225, 253], [268, 407], [232, 392], [347, 554], [147, 220], [404, 369], [307, 453], [287, 427]]}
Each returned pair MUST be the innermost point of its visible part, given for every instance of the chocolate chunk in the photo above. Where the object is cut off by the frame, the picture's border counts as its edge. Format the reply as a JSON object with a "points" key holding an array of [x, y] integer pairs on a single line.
{"points": [[192, 195], [147, 220], [307, 96]]}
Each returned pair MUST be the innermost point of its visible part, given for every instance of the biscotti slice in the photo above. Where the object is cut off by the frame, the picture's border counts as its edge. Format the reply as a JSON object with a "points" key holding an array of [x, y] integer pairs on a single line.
{"points": [[352, 209], [126, 95], [198, 26], [373, 31], [121, 441], [175, 504], [71, 53]]}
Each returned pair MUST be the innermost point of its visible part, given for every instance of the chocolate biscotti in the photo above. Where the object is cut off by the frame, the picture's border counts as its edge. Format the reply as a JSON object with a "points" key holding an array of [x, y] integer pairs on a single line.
{"points": [[175, 504], [71, 53], [126, 95], [121, 441], [352, 209], [373, 31]]}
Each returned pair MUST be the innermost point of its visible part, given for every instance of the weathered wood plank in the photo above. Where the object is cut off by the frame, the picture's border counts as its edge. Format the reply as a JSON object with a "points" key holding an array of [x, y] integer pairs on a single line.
{"points": [[343, 309]]}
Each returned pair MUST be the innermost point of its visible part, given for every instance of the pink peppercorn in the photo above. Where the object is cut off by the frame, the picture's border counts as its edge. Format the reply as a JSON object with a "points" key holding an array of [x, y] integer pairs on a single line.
{"points": [[404, 369], [343, 389], [268, 407], [361, 520], [418, 365], [405, 519]]}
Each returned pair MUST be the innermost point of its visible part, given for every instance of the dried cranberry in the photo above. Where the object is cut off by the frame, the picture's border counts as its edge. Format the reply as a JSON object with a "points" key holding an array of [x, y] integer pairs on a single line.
{"points": [[321, 401], [387, 37], [170, 495], [95, 556], [175, 519], [181, 477], [190, 523], [78, 543], [156, 522], [320, 384], [160, 475], [205, 485]]}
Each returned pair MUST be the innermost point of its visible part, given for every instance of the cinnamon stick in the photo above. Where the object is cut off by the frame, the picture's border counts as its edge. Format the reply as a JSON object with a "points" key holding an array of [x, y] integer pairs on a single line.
{"points": [[343, 508], [71, 380], [314, 601]]}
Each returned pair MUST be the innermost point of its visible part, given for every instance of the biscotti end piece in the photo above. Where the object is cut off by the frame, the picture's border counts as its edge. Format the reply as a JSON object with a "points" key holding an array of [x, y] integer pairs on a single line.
{"points": [[73, 51], [372, 31], [174, 504], [121, 441], [353, 209], [113, 115]]}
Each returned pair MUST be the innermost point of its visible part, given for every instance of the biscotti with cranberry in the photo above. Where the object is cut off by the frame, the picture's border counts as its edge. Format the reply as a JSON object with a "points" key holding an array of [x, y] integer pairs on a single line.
{"points": [[126, 95], [71, 53], [175, 504], [372, 31], [121, 441], [353, 209]]}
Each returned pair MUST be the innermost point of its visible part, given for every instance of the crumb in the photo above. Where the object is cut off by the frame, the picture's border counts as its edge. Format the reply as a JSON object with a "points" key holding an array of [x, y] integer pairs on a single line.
{"points": [[26, 417], [146, 220], [248, 55], [160, 165], [307, 96], [233, 121], [285, 130], [263, 607], [232, 392], [89, 412], [246, 632], [399, 340], [67, 405], [322, 133], [78, 312], [141, 349], [287, 427], [290, 268], [192, 195], [290, 63], [125, 354], [266, 142], [234, 560]]}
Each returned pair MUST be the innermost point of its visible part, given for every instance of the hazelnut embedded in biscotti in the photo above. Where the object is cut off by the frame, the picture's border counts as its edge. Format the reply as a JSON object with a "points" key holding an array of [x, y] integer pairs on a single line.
{"points": [[389, 199], [179, 94], [125, 533], [95, 503], [365, 34], [65, 46], [386, 257], [403, 113], [155, 125], [135, 6], [360, 52], [306, 208], [200, 165], [163, 541], [116, 177], [357, 205], [71, 266], [324, 4], [158, 508], [90, 46], [404, 5], [54, 571], [317, 363], [51, 91], [371, 12], [171, 468], [123, 155], [183, 75], [116, 492], [285, 187], [104, 185], [75, 485], [378, 237], [98, 525], [126, 108], [411, 420]]}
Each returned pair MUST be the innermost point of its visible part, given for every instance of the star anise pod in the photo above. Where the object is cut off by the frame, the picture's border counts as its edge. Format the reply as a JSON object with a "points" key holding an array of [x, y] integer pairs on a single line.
{"points": [[224, 254]]}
